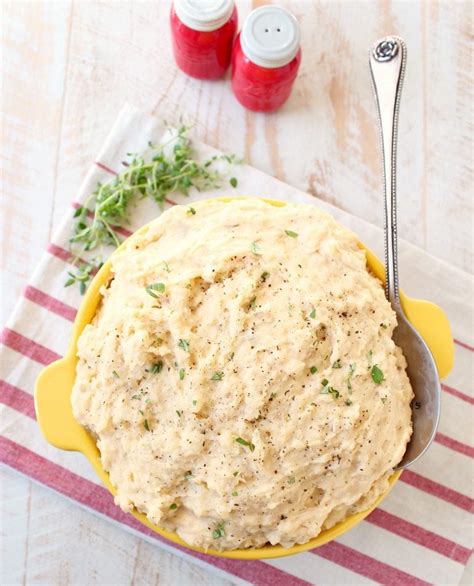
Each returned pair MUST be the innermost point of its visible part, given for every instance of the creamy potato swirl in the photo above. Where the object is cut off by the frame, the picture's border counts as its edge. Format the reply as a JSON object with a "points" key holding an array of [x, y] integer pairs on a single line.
{"points": [[240, 375]]}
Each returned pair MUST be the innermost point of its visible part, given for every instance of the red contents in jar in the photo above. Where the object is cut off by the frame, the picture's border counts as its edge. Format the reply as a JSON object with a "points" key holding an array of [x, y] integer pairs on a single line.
{"points": [[261, 89], [203, 54]]}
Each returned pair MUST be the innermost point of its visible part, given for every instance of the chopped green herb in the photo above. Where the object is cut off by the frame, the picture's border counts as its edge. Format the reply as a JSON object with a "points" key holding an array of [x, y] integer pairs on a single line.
{"points": [[195, 402], [264, 276], [156, 368], [178, 412], [141, 412], [252, 302], [312, 315], [135, 397], [79, 211], [377, 374], [235, 473], [324, 382], [116, 374], [166, 267], [157, 342], [184, 344], [235, 493], [173, 506], [145, 425], [188, 475], [328, 390], [218, 375], [182, 373], [337, 364], [85, 269], [291, 480], [352, 368], [313, 370], [291, 234], [348, 402], [233, 181], [245, 443], [313, 404], [160, 287], [273, 395], [219, 531], [255, 249], [191, 212], [232, 354], [384, 399], [384, 326]]}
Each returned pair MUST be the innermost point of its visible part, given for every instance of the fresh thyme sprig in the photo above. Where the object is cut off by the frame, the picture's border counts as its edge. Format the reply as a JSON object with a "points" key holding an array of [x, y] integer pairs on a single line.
{"points": [[165, 169], [84, 272]]}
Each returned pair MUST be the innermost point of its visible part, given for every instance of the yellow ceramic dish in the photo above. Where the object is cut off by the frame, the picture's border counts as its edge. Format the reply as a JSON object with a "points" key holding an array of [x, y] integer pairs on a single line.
{"points": [[54, 412]]}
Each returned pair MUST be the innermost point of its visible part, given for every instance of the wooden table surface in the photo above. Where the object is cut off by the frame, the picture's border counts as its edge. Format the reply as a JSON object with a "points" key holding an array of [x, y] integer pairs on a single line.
{"points": [[68, 67]]}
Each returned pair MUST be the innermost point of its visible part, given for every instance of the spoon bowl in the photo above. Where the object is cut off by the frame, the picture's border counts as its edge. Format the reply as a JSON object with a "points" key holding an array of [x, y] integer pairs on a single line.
{"points": [[423, 375]]}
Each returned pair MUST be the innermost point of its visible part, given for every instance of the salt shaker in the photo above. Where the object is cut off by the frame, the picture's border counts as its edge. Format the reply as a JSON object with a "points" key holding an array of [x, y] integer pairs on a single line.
{"points": [[265, 59]]}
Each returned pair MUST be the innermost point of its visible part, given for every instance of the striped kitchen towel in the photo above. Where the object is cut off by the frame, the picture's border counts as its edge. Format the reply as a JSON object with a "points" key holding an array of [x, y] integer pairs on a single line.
{"points": [[422, 531]]}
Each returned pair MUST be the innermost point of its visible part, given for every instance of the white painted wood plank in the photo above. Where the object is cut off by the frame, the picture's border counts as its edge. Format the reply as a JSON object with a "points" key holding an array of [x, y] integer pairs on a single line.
{"points": [[33, 70]]}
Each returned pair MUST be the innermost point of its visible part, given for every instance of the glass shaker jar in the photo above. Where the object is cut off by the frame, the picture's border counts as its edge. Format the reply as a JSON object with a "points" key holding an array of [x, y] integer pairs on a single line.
{"points": [[202, 33], [265, 59]]}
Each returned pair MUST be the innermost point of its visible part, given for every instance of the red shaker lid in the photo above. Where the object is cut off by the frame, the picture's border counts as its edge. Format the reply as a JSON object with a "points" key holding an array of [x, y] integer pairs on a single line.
{"points": [[270, 37], [204, 15]]}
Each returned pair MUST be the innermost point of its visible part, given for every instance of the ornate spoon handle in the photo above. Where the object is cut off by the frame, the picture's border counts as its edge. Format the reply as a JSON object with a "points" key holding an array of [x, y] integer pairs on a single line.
{"points": [[387, 66]]}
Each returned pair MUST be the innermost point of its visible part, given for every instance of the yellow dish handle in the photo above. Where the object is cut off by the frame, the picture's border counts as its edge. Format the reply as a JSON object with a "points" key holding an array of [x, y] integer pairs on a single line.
{"points": [[431, 322], [55, 418], [53, 406]]}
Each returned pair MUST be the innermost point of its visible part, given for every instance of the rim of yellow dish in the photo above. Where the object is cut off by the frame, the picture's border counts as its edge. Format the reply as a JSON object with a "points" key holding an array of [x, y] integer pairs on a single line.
{"points": [[54, 411]]}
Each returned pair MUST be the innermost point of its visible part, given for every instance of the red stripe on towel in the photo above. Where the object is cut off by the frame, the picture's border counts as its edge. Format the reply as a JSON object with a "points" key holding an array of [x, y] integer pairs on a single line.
{"points": [[418, 535], [438, 490], [457, 394], [464, 345], [27, 347], [17, 399], [50, 303], [366, 566], [453, 444]]}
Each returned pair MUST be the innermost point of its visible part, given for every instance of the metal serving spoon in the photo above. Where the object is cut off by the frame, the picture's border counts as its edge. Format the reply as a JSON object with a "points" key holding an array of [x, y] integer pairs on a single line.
{"points": [[387, 66]]}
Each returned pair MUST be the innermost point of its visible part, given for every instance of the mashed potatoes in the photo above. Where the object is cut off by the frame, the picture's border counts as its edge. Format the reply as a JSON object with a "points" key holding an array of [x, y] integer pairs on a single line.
{"points": [[240, 375]]}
